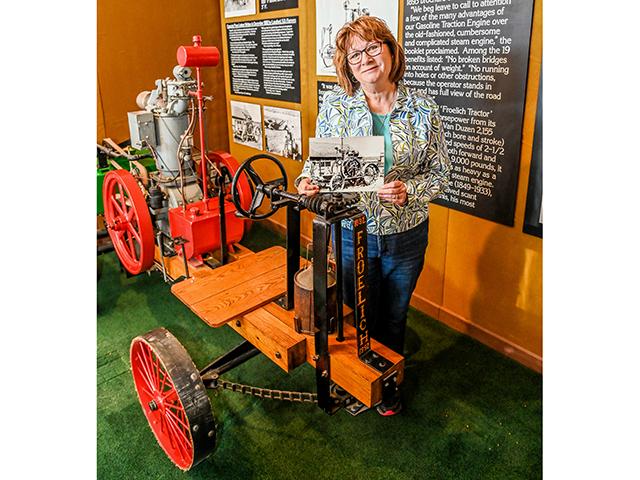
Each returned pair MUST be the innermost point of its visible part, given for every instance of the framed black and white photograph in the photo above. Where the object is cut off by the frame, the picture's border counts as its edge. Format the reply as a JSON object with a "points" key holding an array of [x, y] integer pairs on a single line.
{"points": [[352, 164], [272, 5], [238, 8], [331, 15], [246, 122], [283, 133]]}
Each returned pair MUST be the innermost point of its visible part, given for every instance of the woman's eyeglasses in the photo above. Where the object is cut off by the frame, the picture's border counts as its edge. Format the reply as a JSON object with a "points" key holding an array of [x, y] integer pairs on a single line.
{"points": [[373, 50]]}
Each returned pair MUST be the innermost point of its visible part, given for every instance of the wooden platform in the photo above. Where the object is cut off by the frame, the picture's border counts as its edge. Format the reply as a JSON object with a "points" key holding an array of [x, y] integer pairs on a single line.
{"points": [[174, 266], [241, 294], [234, 289]]}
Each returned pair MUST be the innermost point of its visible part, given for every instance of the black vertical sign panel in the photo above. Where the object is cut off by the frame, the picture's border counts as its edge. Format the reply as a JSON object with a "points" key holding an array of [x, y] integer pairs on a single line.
{"points": [[533, 211], [264, 58], [472, 57], [360, 267]]}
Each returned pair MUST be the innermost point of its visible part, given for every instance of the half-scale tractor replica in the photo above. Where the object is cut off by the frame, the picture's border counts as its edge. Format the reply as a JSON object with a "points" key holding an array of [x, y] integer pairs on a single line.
{"points": [[291, 315], [178, 208]]}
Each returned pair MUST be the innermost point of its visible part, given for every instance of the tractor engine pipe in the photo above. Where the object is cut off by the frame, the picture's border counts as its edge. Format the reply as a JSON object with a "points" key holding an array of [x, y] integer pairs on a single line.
{"points": [[199, 56]]}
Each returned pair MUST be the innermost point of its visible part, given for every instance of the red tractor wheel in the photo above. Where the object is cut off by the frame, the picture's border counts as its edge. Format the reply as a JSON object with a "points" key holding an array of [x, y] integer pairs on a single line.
{"points": [[128, 221], [173, 398]]}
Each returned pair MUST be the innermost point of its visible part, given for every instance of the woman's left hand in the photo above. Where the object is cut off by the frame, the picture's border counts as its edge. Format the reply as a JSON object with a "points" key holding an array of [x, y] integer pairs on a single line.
{"points": [[394, 192]]}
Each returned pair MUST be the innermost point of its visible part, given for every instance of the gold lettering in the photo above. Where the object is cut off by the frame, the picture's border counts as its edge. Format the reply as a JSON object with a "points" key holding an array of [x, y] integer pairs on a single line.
{"points": [[361, 299], [360, 267]]}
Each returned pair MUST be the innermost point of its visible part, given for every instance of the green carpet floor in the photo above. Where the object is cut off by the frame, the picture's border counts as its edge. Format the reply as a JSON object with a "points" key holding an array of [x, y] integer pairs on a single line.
{"points": [[470, 413]]}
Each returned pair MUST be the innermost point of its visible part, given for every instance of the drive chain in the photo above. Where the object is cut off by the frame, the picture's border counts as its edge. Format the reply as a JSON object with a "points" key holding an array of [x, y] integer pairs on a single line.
{"points": [[302, 397]]}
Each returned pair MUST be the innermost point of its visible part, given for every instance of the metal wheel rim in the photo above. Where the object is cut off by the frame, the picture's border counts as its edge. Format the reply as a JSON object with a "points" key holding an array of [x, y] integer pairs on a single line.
{"points": [[177, 407]]}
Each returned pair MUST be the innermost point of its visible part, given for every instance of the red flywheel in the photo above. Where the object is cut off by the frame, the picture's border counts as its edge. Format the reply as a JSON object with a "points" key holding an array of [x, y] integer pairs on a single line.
{"points": [[244, 187], [173, 398], [128, 221]]}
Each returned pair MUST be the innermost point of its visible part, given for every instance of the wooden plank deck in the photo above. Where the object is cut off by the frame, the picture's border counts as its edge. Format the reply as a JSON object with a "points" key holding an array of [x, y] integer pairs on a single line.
{"points": [[237, 288], [241, 294]]}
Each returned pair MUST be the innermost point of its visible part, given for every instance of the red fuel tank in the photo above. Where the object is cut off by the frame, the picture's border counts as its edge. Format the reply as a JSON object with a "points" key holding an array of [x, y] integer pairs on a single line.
{"points": [[199, 225]]}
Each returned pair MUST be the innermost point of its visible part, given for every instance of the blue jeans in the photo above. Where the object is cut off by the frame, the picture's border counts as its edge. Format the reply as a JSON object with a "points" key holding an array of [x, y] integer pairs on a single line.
{"points": [[395, 263]]}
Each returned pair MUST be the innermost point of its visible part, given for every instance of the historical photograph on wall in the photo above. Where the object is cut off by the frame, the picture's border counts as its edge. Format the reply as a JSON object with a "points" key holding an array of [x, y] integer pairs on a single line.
{"points": [[331, 15], [237, 8], [352, 164], [246, 122], [272, 5], [283, 133]]}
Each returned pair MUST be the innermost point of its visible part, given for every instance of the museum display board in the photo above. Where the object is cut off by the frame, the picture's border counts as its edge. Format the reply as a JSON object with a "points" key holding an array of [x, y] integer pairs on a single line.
{"points": [[472, 57], [488, 133]]}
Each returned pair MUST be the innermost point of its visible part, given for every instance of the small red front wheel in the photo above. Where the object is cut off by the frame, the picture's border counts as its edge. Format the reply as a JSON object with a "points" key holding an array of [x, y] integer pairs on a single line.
{"points": [[173, 398]]}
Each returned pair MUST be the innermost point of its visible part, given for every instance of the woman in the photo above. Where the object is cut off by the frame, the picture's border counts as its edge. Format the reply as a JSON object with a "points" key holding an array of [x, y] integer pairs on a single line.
{"points": [[372, 100]]}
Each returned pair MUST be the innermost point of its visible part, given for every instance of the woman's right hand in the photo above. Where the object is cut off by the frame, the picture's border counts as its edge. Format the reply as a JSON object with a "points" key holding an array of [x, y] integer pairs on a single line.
{"points": [[305, 187]]}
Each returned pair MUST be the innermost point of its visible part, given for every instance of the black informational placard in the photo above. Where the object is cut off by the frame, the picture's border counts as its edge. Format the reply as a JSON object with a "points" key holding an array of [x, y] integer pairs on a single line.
{"points": [[264, 58], [533, 212], [472, 57], [322, 88], [271, 5]]}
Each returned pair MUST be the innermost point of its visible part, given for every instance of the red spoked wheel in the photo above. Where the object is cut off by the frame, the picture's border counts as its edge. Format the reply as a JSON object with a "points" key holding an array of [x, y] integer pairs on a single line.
{"points": [[244, 187], [173, 398], [128, 221]]}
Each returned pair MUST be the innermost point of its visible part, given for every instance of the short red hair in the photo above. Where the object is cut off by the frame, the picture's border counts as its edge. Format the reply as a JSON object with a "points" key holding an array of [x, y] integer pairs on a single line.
{"points": [[370, 29]]}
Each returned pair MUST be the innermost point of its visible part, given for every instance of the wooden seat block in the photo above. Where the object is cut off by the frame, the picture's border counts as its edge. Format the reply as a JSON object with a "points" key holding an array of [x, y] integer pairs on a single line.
{"points": [[237, 288], [360, 380], [226, 277], [278, 342]]}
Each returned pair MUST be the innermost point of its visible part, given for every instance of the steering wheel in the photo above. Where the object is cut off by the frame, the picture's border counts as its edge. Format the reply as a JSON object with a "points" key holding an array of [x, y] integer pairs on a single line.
{"points": [[262, 189]]}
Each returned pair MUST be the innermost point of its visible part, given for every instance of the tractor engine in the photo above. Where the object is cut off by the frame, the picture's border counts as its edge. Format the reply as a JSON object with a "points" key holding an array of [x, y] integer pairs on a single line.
{"points": [[165, 126], [182, 207]]}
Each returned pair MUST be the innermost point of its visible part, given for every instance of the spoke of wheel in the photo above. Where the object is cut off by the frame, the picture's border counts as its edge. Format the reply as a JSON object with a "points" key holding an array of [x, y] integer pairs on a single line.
{"points": [[176, 417], [117, 206], [257, 201], [120, 197], [168, 394], [163, 383], [162, 423], [145, 373], [146, 391], [154, 366], [132, 248], [131, 215], [134, 232], [254, 176], [182, 441]]}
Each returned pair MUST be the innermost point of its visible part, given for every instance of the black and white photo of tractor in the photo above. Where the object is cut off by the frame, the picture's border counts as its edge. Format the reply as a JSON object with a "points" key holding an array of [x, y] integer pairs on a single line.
{"points": [[347, 170]]}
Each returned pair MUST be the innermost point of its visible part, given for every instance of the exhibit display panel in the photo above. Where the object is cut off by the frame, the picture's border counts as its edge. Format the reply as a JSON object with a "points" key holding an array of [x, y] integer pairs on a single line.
{"points": [[472, 57]]}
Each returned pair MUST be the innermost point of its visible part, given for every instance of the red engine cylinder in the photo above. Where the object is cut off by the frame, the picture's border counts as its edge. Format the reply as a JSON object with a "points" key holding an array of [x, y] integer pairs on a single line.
{"points": [[190, 56]]}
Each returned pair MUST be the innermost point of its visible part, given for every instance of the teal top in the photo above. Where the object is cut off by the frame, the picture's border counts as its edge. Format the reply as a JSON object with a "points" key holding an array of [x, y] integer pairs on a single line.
{"points": [[381, 127]]}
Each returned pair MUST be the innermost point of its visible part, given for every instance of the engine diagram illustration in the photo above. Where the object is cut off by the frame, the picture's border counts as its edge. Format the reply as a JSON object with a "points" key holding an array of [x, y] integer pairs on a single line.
{"points": [[354, 164], [331, 15]]}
